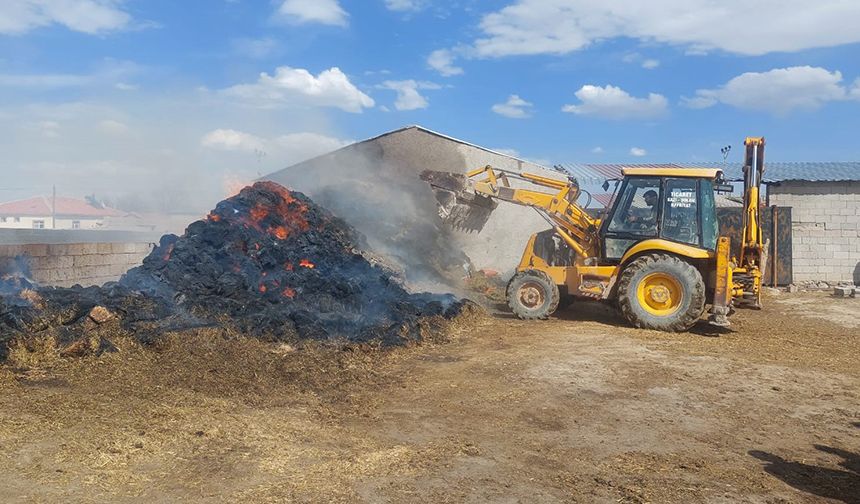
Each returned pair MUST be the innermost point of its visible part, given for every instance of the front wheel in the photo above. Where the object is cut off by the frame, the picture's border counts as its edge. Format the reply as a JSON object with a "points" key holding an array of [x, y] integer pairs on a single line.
{"points": [[662, 292], [532, 295]]}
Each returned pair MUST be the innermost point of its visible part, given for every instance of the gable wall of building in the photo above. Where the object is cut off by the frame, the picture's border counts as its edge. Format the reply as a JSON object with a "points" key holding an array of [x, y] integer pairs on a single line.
{"points": [[395, 161]]}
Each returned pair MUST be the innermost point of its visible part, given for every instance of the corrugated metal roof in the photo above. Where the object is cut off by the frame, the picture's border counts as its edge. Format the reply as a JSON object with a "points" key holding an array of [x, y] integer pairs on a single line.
{"points": [[774, 171]]}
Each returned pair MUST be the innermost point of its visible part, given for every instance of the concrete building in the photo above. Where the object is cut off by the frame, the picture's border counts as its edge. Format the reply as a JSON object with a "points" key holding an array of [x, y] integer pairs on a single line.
{"points": [[379, 176], [825, 227], [46, 212]]}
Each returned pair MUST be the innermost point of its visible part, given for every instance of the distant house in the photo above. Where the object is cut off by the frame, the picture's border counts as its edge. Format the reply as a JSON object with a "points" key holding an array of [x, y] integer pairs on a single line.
{"points": [[46, 212]]}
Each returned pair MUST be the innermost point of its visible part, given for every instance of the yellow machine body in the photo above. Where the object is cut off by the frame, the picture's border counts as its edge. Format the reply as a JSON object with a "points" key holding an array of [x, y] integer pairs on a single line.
{"points": [[590, 272]]}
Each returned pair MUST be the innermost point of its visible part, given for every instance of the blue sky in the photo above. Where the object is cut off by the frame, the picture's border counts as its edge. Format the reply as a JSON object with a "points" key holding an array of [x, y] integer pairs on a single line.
{"points": [[150, 97]]}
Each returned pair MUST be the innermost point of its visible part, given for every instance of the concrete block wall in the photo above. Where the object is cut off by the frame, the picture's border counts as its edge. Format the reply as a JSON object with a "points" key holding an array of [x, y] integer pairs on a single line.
{"points": [[67, 264], [825, 229]]}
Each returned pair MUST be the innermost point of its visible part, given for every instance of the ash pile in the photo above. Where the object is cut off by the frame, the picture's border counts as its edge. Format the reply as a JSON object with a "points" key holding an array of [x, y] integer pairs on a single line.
{"points": [[267, 262]]}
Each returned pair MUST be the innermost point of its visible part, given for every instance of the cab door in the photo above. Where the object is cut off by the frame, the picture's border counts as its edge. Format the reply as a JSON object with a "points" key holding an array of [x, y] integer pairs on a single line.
{"points": [[634, 217], [680, 219]]}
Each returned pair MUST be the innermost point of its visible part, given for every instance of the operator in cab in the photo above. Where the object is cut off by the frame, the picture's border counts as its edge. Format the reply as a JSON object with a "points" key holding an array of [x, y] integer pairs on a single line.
{"points": [[646, 217]]}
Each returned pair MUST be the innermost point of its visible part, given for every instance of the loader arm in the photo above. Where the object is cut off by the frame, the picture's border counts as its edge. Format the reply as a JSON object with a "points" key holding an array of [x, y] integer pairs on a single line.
{"points": [[570, 221]]}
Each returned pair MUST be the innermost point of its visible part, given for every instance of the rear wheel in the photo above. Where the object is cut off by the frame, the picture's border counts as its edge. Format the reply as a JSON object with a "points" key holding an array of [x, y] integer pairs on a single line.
{"points": [[663, 292], [532, 295]]}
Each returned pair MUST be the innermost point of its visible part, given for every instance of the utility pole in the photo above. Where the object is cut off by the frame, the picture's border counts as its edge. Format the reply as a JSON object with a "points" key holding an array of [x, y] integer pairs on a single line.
{"points": [[54, 208]]}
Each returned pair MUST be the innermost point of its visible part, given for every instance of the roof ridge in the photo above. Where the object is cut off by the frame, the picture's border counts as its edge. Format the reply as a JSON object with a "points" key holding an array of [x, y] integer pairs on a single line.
{"points": [[404, 128], [23, 199]]}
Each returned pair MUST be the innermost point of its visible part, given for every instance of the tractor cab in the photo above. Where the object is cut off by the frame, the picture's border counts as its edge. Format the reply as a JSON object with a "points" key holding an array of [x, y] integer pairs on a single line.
{"points": [[673, 204]]}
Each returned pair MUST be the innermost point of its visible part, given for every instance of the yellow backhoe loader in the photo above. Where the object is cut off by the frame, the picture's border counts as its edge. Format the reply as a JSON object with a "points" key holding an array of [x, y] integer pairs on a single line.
{"points": [[657, 251]]}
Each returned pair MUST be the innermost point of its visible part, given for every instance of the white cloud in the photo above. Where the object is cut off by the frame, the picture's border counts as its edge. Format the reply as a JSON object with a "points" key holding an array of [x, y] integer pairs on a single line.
{"points": [[327, 12], [405, 5], [408, 97], [442, 60], [528, 27], [86, 16], [597, 150], [124, 86], [289, 148], [108, 72], [112, 127], [297, 86], [638, 151], [778, 91], [47, 129], [855, 90], [231, 140], [611, 102], [49, 81], [515, 108], [646, 63]]}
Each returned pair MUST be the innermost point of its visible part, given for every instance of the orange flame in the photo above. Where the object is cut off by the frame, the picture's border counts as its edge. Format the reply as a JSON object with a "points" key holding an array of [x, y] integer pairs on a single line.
{"points": [[288, 209], [258, 213], [304, 263], [263, 288], [288, 266], [214, 217], [169, 252], [290, 293], [280, 232]]}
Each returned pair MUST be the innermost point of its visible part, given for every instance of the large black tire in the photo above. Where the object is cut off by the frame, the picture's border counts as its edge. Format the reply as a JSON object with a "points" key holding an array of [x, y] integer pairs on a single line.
{"points": [[662, 292], [532, 295]]}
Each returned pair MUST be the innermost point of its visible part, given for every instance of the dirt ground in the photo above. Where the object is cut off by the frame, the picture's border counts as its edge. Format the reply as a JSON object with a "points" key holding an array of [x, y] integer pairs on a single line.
{"points": [[580, 408]]}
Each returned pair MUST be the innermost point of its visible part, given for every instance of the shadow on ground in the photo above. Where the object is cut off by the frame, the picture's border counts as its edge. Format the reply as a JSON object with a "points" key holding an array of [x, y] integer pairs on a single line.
{"points": [[840, 485], [607, 314]]}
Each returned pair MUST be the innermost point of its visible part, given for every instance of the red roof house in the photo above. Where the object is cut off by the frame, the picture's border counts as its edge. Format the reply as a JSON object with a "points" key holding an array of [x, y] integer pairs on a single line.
{"points": [[38, 212]]}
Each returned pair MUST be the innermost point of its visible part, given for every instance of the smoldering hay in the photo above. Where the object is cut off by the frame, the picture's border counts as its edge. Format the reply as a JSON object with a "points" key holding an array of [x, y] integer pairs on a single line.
{"points": [[267, 261]]}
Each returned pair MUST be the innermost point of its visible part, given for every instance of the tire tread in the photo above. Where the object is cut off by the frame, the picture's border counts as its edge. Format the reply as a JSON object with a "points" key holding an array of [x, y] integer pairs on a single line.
{"points": [[682, 321], [518, 309]]}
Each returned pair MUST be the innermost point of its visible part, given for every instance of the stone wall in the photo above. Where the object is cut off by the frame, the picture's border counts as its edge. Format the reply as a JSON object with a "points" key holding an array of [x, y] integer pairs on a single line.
{"points": [[825, 229], [65, 258]]}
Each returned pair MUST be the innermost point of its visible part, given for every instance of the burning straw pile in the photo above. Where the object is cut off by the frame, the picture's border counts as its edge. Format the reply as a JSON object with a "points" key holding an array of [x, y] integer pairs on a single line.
{"points": [[266, 262]]}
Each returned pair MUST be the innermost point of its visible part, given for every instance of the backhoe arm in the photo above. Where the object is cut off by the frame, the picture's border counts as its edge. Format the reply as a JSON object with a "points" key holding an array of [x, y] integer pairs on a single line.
{"points": [[748, 272]]}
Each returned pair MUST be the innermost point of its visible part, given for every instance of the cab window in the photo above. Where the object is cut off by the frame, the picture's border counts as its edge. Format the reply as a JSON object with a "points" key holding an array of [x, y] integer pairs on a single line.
{"points": [[637, 209], [710, 226], [681, 211]]}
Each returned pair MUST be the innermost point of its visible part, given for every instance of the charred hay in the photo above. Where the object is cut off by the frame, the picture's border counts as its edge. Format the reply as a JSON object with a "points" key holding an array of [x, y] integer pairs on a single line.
{"points": [[267, 262]]}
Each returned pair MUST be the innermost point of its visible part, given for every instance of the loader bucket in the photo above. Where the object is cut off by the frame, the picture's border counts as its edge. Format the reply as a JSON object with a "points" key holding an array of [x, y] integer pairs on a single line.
{"points": [[459, 205]]}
